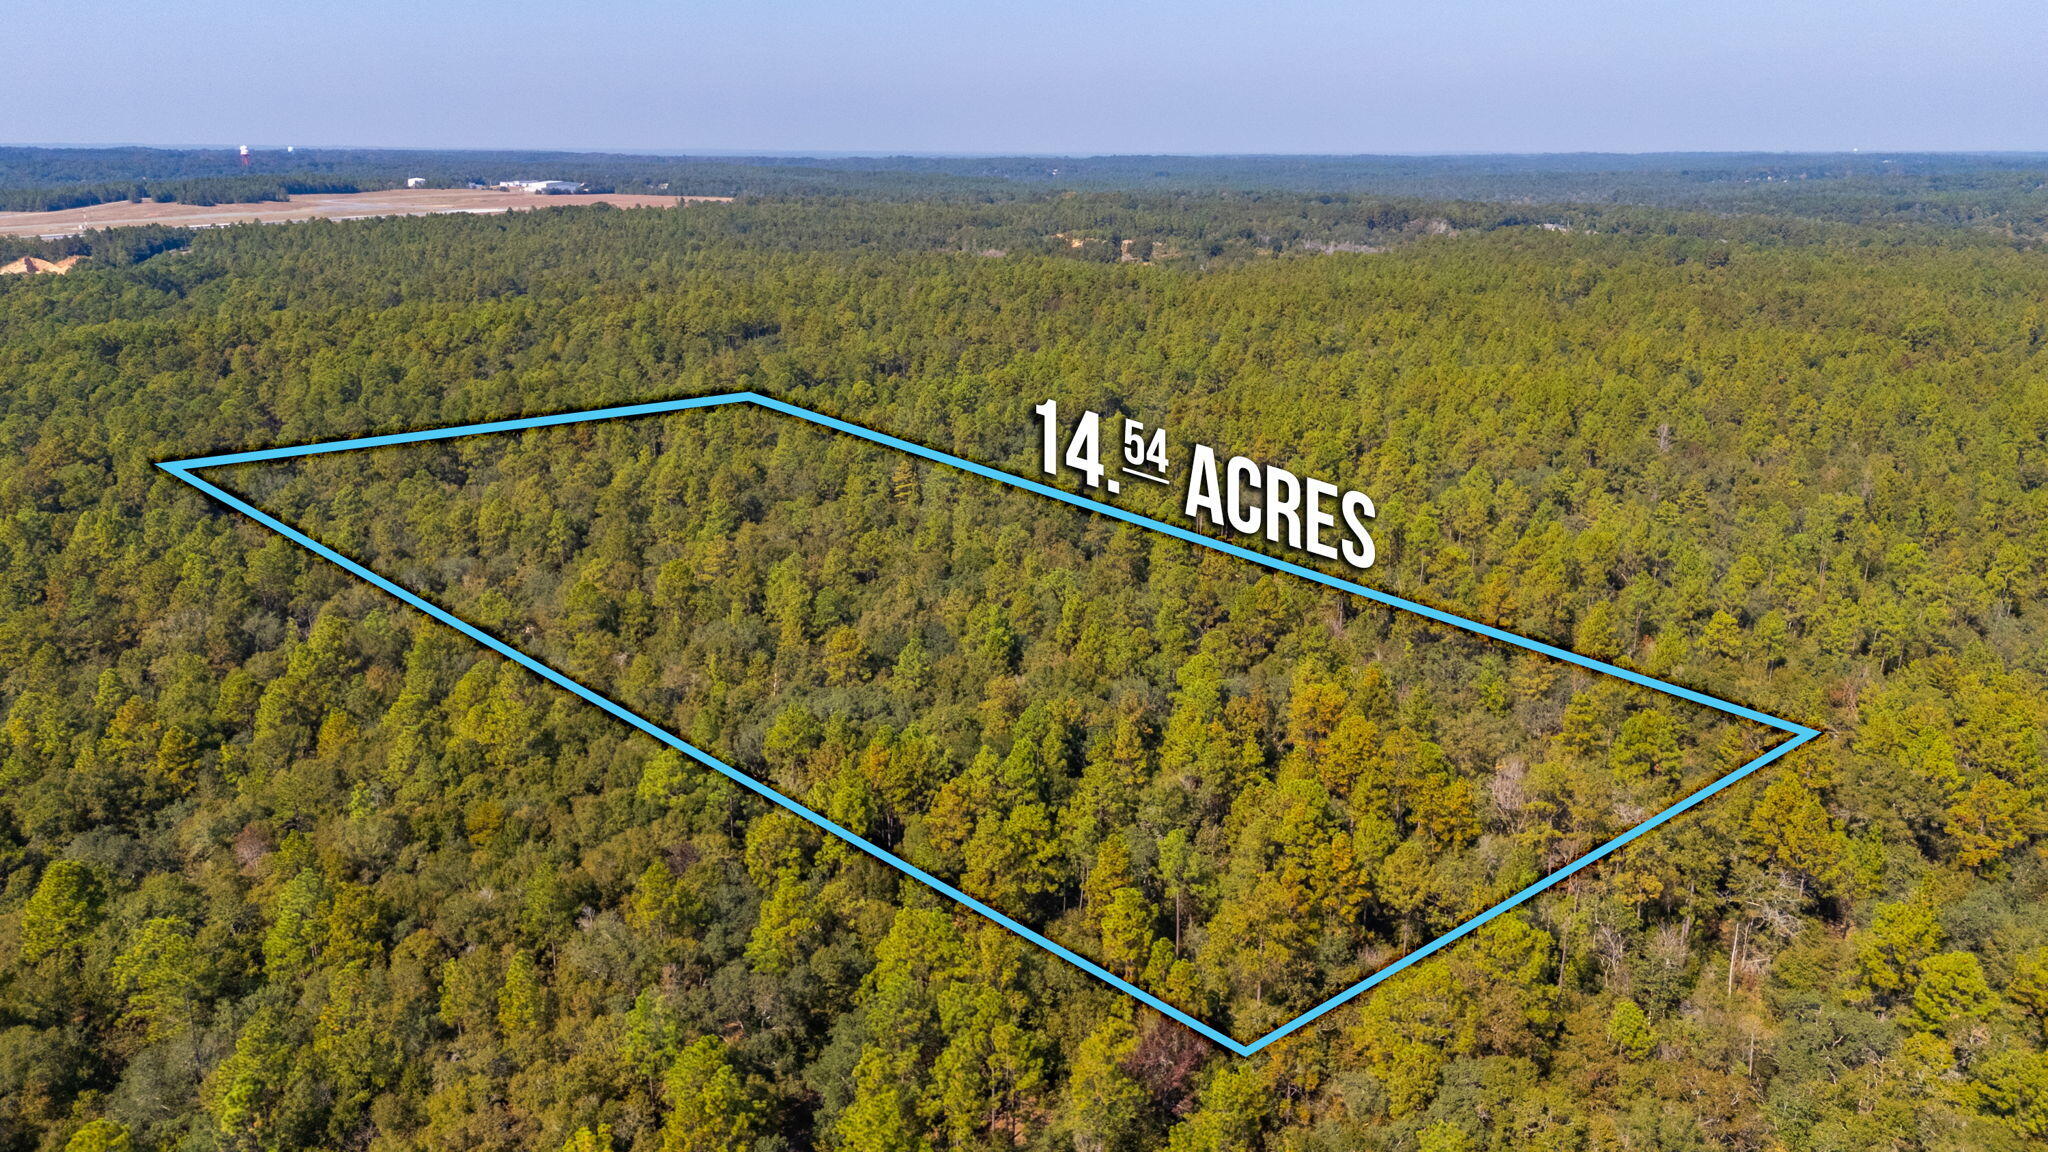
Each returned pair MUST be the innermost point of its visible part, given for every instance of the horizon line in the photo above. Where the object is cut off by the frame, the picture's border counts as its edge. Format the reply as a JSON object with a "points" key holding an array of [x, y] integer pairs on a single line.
{"points": [[1032, 154]]}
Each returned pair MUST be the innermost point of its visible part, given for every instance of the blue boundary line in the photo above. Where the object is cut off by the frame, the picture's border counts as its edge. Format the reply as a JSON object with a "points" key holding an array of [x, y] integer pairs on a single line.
{"points": [[185, 469]]}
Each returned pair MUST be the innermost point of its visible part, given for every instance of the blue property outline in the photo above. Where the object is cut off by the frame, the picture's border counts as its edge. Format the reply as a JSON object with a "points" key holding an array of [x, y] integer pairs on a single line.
{"points": [[184, 469]]}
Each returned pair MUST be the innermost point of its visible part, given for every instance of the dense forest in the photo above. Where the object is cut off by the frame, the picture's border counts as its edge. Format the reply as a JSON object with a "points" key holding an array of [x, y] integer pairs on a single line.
{"points": [[1131, 682], [286, 865]]}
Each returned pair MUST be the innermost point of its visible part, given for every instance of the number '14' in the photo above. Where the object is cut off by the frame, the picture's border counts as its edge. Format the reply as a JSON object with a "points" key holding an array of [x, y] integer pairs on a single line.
{"points": [[1084, 450]]}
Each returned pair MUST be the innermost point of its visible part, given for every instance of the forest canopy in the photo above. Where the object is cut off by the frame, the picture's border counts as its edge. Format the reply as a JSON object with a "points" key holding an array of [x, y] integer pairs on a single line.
{"points": [[286, 865]]}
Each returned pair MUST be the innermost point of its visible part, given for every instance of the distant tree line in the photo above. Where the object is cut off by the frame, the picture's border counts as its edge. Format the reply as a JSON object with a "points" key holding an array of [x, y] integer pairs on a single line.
{"points": [[192, 190], [2004, 192]]}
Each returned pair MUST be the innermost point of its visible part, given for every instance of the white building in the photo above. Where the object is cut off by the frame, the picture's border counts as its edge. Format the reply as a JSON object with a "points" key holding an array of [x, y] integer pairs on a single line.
{"points": [[415, 181], [540, 187]]}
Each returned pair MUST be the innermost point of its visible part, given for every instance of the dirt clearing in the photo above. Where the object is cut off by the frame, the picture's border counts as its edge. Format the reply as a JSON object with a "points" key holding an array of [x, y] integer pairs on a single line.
{"points": [[317, 206]]}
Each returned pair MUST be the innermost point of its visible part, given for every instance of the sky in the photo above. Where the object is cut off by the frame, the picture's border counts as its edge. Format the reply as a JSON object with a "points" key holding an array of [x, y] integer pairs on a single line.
{"points": [[984, 76]]}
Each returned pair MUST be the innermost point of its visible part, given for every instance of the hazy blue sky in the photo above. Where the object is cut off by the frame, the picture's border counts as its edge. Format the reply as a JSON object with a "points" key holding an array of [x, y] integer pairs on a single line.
{"points": [[968, 76]]}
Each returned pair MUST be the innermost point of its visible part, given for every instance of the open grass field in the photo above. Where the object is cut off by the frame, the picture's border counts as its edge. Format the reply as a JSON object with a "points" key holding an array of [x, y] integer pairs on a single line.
{"points": [[323, 206]]}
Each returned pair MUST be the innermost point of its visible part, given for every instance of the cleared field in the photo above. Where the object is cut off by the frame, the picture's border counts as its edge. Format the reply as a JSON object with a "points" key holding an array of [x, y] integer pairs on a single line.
{"points": [[323, 206]]}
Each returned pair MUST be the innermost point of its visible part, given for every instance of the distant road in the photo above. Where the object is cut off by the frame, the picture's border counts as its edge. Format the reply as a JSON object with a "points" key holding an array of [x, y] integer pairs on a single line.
{"points": [[323, 206]]}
